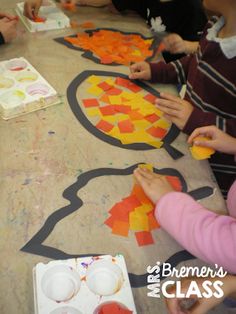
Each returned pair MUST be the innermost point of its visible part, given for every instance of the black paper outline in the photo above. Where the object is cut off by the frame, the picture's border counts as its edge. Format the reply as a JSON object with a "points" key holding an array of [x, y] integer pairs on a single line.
{"points": [[35, 244], [81, 117], [89, 55]]}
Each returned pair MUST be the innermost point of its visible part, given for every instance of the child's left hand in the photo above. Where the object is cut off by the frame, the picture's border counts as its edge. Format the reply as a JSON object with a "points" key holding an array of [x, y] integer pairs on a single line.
{"points": [[154, 185], [175, 109]]}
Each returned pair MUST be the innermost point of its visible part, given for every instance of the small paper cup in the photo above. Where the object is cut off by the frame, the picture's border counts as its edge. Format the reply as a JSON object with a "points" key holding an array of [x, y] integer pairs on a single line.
{"points": [[104, 278], [37, 89], [16, 65], [60, 283], [26, 76], [66, 310], [6, 82]]}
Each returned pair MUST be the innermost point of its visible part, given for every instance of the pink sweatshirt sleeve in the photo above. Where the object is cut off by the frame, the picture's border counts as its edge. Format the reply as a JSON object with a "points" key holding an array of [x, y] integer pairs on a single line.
{"points": [[204, 234]]}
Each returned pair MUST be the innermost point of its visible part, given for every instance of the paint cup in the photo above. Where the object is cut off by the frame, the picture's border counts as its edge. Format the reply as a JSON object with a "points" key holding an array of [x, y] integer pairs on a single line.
{"points": [[6, 82], [109, 306], [16, 65], [65, 310], [104, 278], [38, 89], [60, 283], [12, 98], [26, 76]]}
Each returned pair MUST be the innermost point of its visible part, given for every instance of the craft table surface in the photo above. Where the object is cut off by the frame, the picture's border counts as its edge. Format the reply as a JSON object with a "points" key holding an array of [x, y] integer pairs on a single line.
{"points": [[44, 152]]}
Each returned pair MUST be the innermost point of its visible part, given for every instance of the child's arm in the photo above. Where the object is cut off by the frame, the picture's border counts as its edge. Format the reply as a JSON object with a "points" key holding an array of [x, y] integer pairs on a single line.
{"points": [[205, 234], [7, 30], [199, 118]]}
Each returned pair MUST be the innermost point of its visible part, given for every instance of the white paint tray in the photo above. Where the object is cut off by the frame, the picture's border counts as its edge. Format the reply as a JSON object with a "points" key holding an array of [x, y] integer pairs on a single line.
{"points": [[23, 89], [82, 285], [55, 18]]}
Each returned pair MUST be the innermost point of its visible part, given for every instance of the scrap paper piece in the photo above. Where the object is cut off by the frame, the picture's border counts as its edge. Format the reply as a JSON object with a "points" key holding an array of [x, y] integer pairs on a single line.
{"points": [[110, 46], [200, 152]]}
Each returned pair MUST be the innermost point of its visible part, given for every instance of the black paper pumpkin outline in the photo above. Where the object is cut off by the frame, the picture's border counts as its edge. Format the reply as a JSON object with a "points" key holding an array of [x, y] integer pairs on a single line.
{"points": [[89, 54], [35, 244], [80, 115]]}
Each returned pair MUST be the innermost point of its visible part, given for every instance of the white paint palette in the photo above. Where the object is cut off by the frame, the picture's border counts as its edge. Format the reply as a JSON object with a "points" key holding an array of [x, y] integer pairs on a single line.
{"points": [[54, 17], [90, 285], [23, 89]]}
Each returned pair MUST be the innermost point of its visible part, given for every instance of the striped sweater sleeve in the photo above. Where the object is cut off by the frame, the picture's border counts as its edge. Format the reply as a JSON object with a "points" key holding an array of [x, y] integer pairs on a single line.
{"points": [[200, 118], [172, 73]]}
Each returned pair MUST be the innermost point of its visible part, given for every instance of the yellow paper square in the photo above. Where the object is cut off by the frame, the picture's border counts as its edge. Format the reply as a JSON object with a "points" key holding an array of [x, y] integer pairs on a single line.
{"points": [[92, 112], [138, 222], [95, 90], [94, 79], [144, 209], [164, 124], [115, 100], [146, 166]]}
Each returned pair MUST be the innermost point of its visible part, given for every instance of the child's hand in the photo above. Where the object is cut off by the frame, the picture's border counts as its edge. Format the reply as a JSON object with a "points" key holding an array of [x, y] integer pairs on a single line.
{"points": [[31, 8], [155, 186], [140, 70], [219, 140], [8, 16], [175, 44], [175, 109], [8, 29]]}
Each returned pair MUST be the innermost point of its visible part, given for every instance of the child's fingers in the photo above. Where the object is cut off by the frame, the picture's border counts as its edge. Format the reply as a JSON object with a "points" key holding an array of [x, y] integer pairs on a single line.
{"points": [[203, 131], [145, 173], [137, 75], [168, 104], [141, 180], [171, 97], [28, 11], [168, 112]]}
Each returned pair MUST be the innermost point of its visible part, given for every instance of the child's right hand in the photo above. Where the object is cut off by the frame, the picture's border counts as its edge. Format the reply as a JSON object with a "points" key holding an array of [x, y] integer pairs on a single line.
{"points": [[31, 8], [8, 29], [220, 141], [141, 71]]}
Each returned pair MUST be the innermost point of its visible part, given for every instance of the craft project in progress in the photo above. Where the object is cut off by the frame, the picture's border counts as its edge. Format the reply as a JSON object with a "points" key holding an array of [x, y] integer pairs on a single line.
{"points": [[111, 47], [40, 245], [136, 213], [121, 112], [50, 17], [23, 89], [90, 285], [200, 152]]}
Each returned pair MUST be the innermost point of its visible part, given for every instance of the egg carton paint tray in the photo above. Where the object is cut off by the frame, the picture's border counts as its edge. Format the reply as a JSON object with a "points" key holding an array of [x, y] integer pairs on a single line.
{"points": [[52, 18], [90, 285], [23, 89]]}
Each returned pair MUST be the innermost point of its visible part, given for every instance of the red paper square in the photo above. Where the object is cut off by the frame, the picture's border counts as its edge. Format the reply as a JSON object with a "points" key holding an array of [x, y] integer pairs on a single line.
{"points": [[105, 86], [104, 126], [114, 91], [122, 108], [150, 98], [144, 238], [157, 132], [152, 118], [126, 126], [91, 102], [107, 110]]}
